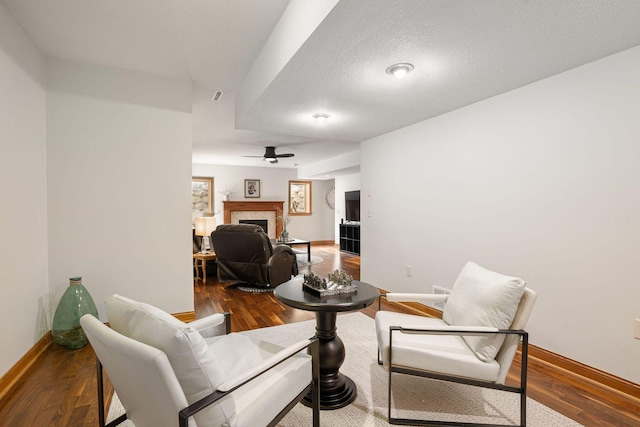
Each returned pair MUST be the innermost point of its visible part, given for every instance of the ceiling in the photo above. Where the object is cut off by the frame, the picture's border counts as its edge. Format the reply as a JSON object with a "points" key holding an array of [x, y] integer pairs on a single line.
{"points": [[279, 62]]}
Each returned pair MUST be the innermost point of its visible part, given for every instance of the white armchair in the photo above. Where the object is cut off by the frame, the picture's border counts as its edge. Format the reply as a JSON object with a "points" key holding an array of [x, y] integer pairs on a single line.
{"points": [[167, 374], [474, 343]]}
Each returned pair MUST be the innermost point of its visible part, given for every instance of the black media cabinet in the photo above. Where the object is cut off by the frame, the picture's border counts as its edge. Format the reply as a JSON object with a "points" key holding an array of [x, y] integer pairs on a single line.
{"points": [[350, 238]]}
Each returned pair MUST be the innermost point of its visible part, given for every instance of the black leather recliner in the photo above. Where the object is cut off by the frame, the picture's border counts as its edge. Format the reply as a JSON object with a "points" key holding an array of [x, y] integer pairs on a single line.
{"points": [[244, 254]]}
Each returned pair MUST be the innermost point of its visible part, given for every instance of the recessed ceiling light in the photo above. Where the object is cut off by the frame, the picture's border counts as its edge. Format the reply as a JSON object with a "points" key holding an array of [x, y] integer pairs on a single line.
{"points": [[400, 70], [321, 117]]}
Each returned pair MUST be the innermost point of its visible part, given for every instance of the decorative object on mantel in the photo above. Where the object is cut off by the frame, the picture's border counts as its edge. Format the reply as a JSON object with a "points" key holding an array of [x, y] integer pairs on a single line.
{"points": [[75, 303], [285, 218], [226, 193], [339, 283]]}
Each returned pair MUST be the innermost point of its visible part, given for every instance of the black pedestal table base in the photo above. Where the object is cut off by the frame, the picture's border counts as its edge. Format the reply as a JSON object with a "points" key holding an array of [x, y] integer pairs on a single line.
{"points": [[336, 389]]}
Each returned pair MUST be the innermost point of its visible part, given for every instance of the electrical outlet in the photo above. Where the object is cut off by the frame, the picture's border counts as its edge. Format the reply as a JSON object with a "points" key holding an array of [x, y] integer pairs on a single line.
{"points": [[636, 328], [409, 272], [440, 291]]}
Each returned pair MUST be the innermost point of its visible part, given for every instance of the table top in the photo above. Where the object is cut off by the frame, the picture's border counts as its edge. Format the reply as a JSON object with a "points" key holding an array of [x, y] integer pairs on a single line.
{"points": [[292, 241], [292, 294], [208, 255]]}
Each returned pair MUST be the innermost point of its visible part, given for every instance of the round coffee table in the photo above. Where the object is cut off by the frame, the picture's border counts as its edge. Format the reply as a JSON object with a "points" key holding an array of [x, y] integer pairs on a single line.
{"points": [[336, 390]]}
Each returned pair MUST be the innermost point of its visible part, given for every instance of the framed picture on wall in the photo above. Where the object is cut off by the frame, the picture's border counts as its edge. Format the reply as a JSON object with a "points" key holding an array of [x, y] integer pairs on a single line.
{"points": [[299, 197], [252, 188], [201, 195]]}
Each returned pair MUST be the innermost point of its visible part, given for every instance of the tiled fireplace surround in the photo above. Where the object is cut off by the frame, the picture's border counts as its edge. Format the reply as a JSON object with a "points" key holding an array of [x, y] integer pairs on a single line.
{"points": [[235, 211]]}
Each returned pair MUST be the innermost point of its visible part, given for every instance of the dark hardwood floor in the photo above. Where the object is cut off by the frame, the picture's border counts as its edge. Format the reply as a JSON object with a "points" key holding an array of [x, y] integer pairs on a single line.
{"points": [[60, 389]]}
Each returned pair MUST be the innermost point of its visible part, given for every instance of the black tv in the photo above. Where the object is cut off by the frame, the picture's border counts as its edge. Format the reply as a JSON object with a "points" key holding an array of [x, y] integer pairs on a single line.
{"points": [[352, 205]]}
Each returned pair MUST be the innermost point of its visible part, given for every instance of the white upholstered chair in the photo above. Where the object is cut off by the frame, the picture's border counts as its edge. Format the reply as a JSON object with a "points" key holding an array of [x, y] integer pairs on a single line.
{"points": [[474, 343], [167, 374]]}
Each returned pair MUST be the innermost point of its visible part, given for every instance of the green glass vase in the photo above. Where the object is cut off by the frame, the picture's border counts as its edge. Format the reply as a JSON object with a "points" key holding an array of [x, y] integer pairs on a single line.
{"points": [[75, 303]]}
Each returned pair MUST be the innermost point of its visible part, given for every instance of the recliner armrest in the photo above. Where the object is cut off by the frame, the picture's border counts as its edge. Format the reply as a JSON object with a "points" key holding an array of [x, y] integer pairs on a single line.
{"points": [[283, 248], [282, 265]]}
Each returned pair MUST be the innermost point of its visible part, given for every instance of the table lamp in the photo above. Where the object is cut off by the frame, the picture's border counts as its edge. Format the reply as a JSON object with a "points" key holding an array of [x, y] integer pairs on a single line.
{"points": [[204, 227]]}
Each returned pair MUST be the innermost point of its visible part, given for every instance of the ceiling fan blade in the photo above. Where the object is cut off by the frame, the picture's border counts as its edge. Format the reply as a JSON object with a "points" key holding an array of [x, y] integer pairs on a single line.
{"points": [[271, 156]]}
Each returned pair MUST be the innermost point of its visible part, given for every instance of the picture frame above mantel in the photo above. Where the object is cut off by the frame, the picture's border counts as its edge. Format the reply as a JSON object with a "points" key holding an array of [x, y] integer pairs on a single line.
{"points": [[252, 188]]}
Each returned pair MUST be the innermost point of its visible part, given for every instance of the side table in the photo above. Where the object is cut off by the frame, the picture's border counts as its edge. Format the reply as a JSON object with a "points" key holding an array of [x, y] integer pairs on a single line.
{"points": [[203, 258], [336, 389]]}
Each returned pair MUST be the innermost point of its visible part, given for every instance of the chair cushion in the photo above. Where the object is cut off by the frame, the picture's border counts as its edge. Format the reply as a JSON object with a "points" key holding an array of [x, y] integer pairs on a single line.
{"points": [[446, 354], [481, 297], [259, 401]]}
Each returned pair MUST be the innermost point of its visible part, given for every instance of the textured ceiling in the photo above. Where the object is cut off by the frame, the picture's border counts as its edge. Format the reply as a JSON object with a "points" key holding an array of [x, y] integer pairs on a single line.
{"points": [[463, 51]]}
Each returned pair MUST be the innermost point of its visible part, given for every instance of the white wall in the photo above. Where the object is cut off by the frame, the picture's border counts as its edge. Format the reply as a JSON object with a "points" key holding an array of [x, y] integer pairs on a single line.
{"points": [[343, 184], [274, 185], [23, 189], [541, 182], [119, 179]]}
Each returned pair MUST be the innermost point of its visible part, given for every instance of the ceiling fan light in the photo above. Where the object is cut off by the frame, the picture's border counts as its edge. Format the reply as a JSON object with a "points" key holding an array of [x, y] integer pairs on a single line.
{"points": [[321, 117], [400, 70]]}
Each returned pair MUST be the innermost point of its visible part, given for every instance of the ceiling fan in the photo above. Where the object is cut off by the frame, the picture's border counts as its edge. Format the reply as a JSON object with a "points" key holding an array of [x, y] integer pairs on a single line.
{"points": [[271, 156]]}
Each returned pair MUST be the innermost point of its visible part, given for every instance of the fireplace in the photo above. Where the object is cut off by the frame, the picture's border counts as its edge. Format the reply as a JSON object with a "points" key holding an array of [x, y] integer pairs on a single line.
{"points": [[261, 222], [234, 212]]}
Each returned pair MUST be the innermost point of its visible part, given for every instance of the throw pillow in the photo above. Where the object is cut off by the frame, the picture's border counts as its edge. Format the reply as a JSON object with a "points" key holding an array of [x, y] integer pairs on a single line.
{"points": [[481, 297]]}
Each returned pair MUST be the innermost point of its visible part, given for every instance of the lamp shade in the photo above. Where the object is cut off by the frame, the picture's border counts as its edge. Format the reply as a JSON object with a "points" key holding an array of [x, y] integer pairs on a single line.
{"points": [[205, 226]]}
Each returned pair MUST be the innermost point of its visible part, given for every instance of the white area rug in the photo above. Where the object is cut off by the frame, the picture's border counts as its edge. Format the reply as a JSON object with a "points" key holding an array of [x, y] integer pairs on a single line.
{"points": [[414, 397], [303, 259]]}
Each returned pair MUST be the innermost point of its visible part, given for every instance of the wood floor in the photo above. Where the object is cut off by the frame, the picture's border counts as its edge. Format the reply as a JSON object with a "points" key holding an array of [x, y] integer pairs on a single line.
{"points": [[60, 389]]}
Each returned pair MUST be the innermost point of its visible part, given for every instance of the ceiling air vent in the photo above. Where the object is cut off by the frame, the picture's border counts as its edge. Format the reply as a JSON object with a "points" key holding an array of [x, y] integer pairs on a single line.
{"points": [[216, 96]]}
